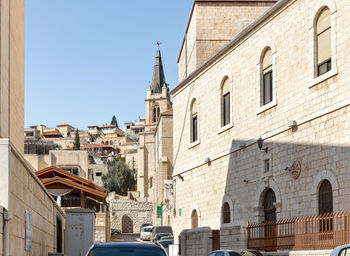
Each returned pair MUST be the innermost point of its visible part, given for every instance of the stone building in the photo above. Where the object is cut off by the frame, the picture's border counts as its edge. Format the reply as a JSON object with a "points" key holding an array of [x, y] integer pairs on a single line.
{"points": [[261, 128], [128, 215], [156, 102], [25, 204]]}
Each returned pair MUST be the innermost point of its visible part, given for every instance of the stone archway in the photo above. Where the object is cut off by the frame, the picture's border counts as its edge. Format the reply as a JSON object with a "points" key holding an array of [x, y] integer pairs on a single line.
{"points": [[127, 224]]}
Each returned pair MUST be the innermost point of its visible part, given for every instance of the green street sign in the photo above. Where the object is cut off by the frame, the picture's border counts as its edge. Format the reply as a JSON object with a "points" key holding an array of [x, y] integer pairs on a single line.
{"points": [[159, 211], [179, 211]]}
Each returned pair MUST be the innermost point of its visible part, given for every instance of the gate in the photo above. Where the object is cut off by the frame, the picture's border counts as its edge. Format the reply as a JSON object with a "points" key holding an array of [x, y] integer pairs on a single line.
{"points": [[127, 224]]}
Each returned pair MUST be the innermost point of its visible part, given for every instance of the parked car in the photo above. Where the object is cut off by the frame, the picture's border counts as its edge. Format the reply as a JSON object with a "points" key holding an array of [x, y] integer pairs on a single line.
{"points": [[156, 230], [235, 253], [144, 225], [164, 243], [343, 250], [126, 249], [145, 232], [115, 231]]}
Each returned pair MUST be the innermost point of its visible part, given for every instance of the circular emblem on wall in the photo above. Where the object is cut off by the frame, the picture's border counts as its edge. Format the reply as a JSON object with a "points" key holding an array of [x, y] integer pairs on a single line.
{"points": [[295, 169]]}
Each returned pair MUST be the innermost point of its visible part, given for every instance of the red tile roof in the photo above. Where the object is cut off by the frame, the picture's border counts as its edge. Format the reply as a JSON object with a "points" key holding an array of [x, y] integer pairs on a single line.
{"points": [[62, 125]]}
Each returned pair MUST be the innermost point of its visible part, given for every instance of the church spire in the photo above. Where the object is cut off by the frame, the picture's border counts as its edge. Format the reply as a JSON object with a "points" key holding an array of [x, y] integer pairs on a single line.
{"points": [[158, 80]]}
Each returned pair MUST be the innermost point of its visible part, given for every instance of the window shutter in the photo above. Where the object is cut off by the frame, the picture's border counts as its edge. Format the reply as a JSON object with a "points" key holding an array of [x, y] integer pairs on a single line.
{"points": [[324, 46], [226, 114]]}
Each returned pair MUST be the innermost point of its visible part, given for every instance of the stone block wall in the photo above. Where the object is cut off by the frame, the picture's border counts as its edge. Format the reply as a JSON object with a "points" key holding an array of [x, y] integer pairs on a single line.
{"points": [[233, 236], [196, 242], [12, 72], [320, 106], [133, 211], [102, 227], [21, 190], [211, 26]]}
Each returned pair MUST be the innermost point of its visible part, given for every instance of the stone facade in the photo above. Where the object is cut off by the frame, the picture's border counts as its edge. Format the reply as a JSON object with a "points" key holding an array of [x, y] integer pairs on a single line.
{"points": [[67, 159], [128, 215], [163, 139], [157, 102], [12, 72], [102, 227], [211, 25], [225, 164], [21, 190]]}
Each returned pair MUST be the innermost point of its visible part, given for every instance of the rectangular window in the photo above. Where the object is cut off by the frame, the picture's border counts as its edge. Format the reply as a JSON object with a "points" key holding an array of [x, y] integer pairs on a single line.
{"points": [[226, 109], [267, 87], [324, 67], [194, 128], [98, 174], [266, 165]]}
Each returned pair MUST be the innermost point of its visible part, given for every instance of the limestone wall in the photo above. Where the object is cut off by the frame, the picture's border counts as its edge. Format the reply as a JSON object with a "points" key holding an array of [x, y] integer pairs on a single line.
{"points": [[196, 242], [102, 227], [12, 72], [137, 212], [71, 158], [21, 190], [38, 162], [211, 26], [320, 106], [233, 236]]}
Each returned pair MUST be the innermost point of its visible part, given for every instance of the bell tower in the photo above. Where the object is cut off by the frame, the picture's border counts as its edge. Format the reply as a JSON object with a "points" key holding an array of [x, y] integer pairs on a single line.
{"points": [[158, 98]]}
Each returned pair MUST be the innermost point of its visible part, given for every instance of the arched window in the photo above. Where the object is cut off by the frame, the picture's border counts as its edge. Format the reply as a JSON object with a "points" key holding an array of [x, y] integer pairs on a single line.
{"points": [[194, 219], [266, 77], [225, 103], [110, 142], [269, 206], [194, 121], [106, 143], [102, 142], [325, 198], [323, 42], [226, 213], [156, 113]]}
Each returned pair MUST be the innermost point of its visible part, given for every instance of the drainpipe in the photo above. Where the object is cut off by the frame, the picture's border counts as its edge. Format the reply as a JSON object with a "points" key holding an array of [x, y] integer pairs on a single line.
{"points": [[6, 235]]}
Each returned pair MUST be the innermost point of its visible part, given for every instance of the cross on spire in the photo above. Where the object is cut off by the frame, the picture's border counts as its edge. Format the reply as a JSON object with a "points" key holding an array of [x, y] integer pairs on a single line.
{"points": [[158, 43]]}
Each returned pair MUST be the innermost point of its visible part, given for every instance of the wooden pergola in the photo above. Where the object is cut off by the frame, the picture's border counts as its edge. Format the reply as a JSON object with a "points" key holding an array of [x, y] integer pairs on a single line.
{"points": [[79, 192]]}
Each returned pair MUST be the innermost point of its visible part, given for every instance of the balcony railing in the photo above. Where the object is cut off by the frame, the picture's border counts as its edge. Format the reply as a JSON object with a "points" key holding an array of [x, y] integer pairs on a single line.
{"points": [[310, 232]]}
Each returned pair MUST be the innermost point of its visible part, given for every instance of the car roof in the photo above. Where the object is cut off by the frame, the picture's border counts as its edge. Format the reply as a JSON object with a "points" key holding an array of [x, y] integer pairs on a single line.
{"points": [[122, 245], [336, 251]]}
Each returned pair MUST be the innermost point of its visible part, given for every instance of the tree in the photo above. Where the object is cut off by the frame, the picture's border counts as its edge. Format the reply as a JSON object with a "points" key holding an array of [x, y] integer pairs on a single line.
{"points": [[76, 141], [119, 177], [114, 121]]}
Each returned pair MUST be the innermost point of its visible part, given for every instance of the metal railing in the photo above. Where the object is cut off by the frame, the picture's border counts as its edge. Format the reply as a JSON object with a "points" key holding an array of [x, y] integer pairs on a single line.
{"points": [[324, 231]]}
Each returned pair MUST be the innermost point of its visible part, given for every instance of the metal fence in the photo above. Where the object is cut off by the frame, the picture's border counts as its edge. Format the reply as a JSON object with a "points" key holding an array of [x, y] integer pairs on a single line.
{"points": [[309, 232]]}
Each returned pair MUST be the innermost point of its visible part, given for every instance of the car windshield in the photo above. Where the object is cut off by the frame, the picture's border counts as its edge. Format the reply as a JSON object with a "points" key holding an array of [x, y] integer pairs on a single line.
{"points": [[113, 251], [164, 230], [147, 229]]}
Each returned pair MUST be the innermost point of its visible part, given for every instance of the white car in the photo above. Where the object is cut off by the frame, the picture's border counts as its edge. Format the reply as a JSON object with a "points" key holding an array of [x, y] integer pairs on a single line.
{"points": [[145, 233], [342, 250]]}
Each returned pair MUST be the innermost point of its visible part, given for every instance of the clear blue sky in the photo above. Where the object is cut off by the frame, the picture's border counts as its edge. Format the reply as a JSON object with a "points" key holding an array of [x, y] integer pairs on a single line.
{"points": [[86, 60]]}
